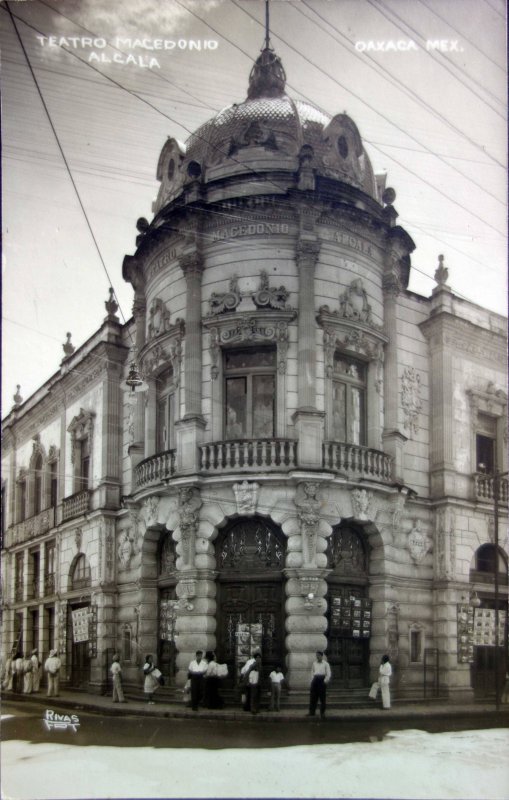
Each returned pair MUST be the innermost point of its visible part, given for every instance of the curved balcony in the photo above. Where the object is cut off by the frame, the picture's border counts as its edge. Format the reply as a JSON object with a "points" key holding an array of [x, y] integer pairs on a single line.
{"points": [[155, 469], [75, 505], [355, 462], [248, 455]]}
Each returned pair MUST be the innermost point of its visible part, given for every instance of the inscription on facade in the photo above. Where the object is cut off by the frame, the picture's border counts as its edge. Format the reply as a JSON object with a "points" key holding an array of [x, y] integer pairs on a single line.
{"points": [[349, 240], [234, 231]]}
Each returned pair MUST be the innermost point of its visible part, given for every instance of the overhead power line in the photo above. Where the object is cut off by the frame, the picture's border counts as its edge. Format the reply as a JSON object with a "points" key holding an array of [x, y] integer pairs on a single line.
{"points": [[432, 54], [401, 87]]}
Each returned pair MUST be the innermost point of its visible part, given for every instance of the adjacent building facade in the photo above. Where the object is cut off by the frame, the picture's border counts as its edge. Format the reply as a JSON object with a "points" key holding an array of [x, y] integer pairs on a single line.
{"points": [[313, 456]]}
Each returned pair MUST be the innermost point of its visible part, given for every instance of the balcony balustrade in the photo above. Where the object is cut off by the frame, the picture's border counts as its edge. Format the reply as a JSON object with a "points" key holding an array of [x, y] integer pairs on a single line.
{"points": [[248, 455], [155, 469], [356, 462], [75, 505], [30, 528], [484, 488]]}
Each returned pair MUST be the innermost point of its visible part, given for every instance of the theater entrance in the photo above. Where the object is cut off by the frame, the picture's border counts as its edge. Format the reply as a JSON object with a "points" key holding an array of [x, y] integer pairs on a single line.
{"points": [[348, 609], [250, 561]]}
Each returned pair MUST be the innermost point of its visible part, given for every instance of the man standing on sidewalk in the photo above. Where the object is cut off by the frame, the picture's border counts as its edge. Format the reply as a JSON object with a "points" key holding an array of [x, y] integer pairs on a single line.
{"points": [[320, 677], [52, 667], [196, 672]]}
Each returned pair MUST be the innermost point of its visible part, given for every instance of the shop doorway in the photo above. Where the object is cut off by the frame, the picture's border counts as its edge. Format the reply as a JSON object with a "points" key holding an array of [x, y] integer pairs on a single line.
{"points": [[349, 614], [80, 650]]}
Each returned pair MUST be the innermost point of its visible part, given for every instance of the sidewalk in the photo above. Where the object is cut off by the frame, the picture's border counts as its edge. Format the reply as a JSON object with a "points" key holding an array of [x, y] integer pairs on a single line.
{"points": [[82, 701]]}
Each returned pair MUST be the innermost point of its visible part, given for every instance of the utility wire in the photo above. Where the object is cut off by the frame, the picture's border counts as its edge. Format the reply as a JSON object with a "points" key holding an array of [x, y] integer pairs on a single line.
{"points": [[407, 169], [462, 35], [401, 87], [379, 7], [134, 94], [48, 115], [495, 10]]}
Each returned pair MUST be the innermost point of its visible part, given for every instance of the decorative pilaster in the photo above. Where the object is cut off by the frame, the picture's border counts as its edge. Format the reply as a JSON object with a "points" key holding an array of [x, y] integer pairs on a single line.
{"points": [[307, 256], [393, 439], [192, 267]]}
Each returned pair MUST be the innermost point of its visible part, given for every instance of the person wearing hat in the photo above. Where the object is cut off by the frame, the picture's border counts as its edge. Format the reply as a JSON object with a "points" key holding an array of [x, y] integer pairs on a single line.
{"points": [[116, 671], [36, 670], [52, 667], [320, 677]]}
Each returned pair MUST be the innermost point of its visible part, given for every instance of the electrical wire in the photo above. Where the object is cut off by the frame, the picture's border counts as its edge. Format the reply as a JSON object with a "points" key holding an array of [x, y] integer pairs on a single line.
{"points": [[379, 7], [419, 177], [379, 69]]}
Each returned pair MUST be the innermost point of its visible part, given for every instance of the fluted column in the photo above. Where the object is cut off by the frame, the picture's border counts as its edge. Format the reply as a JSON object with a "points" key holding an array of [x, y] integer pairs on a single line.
{"points": [[309, 422], [192, 267], [307, 256], [393, 439], [189, 428]]}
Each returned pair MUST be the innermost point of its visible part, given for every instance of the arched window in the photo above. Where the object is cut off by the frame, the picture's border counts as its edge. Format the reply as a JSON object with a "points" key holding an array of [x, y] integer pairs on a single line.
{"points": [[486, 558], [80, 575], [165, 412], [250, 393], [346, 553], [348, 400], [37, 484]]}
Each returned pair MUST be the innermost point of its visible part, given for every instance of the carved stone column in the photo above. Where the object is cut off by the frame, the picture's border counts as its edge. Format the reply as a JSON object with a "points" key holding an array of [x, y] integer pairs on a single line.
{"points": [[309, 422], [306, 587], [196, 589], [190, 427], [393, 439]]}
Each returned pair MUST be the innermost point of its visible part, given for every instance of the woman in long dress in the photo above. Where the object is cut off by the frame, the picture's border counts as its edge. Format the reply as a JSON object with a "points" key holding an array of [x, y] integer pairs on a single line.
{"points": [[385, 672], [151, 683]]}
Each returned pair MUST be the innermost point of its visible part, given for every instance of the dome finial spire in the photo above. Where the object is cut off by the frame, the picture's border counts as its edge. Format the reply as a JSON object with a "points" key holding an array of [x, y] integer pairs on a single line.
{"points": [[267, 78], [267, 25]]}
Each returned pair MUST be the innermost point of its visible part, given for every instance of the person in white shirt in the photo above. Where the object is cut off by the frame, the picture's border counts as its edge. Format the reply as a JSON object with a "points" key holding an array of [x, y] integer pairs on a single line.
{"points": [[116, 671], [320, 677], [244, 679], [27, 674], [255, 681], [196, 672], [384, 675], [52, 666], [276, 678]]}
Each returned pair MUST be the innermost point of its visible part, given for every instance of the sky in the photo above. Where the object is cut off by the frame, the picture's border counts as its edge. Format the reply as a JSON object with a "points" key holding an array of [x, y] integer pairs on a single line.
{"points": [[92, 89], [468, 764]]}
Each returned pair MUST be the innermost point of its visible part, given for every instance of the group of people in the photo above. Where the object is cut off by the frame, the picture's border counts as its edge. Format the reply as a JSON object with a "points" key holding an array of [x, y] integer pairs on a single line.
{"points": [[23, 673], [251, 684]]}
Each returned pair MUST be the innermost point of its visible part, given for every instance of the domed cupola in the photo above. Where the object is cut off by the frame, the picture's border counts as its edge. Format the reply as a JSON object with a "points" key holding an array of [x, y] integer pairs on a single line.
{"points": [[268, 134]]}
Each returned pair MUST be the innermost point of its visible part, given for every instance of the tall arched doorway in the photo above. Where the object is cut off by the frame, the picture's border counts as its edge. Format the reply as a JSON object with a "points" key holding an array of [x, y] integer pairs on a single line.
{"points": [[167, 612], [488, 659], [79, 622], [349, 608], [250, 557]]}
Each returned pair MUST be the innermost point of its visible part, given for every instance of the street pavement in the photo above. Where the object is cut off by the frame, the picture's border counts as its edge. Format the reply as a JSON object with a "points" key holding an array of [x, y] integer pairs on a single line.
{"points": [[77, 700]]}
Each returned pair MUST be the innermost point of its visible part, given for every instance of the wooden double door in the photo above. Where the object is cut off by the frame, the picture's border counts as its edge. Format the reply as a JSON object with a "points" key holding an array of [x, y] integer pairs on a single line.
{"points": [[255, 603]]}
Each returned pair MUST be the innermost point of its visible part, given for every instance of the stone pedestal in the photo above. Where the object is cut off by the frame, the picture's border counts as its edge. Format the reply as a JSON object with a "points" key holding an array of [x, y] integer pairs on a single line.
{"points": [[309, 427], [189, 432], [393, 445]]}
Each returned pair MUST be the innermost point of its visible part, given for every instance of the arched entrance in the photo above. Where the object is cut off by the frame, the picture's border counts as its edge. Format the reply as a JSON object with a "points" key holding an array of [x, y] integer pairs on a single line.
{"points": [[250, 557], [349, 608], [79, 621], [167, 612], [488, 659]]}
